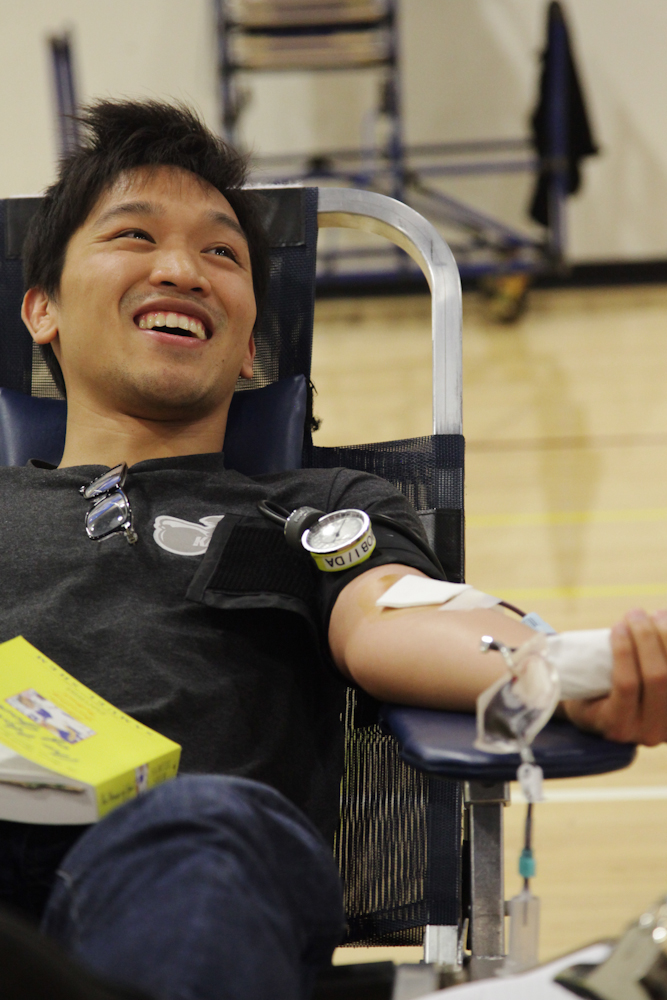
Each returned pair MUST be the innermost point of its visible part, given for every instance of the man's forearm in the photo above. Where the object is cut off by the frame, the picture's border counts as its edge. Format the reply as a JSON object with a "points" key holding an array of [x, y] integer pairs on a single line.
{"points": [[416, 656]]}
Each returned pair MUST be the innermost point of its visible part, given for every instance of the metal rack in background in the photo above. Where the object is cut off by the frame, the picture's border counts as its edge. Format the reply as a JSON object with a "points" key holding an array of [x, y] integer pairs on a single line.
{"points": [[258, 36], [313, 35], [64, 86]]}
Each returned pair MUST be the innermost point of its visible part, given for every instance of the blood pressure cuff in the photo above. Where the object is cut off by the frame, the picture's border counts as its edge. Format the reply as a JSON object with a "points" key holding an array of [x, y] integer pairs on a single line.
{"points": [[249, 565]]}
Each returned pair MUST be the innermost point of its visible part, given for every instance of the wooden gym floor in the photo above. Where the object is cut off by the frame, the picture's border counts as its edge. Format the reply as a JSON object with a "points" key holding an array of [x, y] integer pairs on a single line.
{"points": [[565, 415]]}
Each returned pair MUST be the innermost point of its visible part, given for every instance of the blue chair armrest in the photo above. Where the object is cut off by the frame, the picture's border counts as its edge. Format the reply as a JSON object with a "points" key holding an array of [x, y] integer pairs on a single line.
{"points": [[264, 428], [441, 743]]}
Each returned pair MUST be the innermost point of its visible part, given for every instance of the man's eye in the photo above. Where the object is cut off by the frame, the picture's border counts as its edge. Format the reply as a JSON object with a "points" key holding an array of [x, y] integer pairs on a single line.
{"points": [[135, 234], [223, 252]]}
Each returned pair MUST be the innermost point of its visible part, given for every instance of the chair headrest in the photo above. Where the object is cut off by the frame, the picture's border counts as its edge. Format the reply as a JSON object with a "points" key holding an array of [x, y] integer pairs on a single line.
{"points": [[265, 428]]}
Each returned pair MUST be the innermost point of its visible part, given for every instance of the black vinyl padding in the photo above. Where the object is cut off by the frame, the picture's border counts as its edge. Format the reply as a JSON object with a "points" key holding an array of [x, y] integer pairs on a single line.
{"points": [[282, 406], [31, 427], [34, 427]]}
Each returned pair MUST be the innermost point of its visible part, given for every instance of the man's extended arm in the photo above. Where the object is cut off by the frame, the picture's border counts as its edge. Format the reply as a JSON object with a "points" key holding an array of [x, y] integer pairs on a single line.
{"points": [[429, 657]]}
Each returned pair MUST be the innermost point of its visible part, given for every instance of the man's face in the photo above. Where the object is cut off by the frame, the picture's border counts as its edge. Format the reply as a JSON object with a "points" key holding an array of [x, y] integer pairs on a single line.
{"points": [[155, 310]]}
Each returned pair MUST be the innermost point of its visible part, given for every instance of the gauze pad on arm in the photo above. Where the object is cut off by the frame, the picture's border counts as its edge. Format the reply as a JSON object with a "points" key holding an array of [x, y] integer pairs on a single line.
{"points": [[583, 661], [419, 591]]}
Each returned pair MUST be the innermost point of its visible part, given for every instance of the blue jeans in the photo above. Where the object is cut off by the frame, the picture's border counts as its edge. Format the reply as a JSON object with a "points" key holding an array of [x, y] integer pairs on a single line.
{"points": [[206, 887]]}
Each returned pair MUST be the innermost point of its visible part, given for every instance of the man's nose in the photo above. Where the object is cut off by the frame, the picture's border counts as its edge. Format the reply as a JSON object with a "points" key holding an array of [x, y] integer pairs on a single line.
{"points": [[179, 268]]}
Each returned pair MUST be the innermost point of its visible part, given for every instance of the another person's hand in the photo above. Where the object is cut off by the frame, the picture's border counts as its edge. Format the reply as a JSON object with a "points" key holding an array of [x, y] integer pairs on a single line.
{"points": [[635, 711]]}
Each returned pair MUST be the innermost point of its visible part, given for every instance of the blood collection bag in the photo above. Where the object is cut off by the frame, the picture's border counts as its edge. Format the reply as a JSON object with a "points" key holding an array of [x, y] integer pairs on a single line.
{"points": [[512, 711]]}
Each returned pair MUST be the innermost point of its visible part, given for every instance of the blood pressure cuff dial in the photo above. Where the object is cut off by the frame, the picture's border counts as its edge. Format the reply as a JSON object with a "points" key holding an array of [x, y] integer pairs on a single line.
{"points": [[249, 565], [392, 547]]}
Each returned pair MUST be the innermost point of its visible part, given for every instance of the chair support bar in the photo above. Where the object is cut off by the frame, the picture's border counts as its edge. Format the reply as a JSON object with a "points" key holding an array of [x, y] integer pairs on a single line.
{"points": [[485, 803], [376, 213]]}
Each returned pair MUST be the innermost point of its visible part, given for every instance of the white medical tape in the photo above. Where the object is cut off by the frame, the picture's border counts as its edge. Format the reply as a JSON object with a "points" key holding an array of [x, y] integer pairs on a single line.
{"points": [[420, 591], [469, 599], [583, 660]]}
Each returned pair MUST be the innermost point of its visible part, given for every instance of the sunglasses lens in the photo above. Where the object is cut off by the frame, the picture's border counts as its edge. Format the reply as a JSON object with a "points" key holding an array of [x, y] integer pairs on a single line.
{"points": [[111, 480], [108, 515]]}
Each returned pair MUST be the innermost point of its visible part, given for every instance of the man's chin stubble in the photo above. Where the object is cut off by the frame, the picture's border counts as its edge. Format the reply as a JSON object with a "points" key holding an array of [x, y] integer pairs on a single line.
{"points": [[163, 399]]}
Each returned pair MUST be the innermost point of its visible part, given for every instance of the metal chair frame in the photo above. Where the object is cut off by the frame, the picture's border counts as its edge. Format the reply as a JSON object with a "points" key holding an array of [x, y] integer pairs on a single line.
{"points": [[376, 213]]}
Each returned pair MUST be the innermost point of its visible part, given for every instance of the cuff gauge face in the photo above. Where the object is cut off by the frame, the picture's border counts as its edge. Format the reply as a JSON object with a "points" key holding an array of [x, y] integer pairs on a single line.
{"points": [[340, 540]]}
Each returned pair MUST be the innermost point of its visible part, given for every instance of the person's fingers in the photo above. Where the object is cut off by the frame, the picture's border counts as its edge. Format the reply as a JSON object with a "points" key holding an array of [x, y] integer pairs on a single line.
{"points": [[620, 712], [636, 708], [586, 714], [652, 664], [650, 640], [660, 622], [616, 716]]}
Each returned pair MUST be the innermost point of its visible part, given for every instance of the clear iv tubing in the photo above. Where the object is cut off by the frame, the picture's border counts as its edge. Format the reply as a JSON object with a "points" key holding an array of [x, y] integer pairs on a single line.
{"points": [[527, 858], [527, 842]]}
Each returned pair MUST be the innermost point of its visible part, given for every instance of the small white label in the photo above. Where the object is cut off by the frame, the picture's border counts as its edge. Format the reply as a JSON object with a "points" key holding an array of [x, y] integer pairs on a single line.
{"points": [[343, 560], [141, 779], [530, 778]]}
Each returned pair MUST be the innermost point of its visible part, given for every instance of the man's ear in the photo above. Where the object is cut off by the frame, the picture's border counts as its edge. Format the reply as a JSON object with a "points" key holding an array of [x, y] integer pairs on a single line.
{"points": [[39, 315], [246, 367]]}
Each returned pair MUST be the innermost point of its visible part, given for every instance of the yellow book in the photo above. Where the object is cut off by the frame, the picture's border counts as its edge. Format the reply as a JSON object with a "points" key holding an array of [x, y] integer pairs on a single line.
{"points": [[67, 755]]}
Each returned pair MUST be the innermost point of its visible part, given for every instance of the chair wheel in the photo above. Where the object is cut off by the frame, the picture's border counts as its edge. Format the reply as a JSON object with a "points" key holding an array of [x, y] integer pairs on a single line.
{"points": [[505, 296]]}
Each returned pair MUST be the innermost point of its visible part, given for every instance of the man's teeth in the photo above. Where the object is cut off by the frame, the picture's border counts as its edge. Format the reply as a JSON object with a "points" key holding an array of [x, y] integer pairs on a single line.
{"points": [[174, 321]]}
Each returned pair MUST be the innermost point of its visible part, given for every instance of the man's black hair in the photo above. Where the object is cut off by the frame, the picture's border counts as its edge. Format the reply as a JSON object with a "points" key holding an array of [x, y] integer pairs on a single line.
{"points": [[119, 136]]}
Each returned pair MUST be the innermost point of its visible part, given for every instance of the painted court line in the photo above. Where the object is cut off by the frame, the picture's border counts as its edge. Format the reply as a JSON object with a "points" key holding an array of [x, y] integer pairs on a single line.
{"points": [[568, 442], [552, 517], [636, 793], [518, 594], [565, 517]]}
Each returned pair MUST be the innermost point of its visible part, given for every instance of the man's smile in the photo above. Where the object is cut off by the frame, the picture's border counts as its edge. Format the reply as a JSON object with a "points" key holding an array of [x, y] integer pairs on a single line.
{"points": [[173, 323], [173, 316]]}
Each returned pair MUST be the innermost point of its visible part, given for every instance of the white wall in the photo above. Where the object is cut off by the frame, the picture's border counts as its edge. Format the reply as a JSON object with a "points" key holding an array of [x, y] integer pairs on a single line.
{"points": [[152, 48], [470, 71]]}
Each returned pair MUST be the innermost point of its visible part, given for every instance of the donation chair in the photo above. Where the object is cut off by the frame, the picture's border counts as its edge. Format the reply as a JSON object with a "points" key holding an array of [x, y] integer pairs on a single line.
{"points": [[413, 871]]}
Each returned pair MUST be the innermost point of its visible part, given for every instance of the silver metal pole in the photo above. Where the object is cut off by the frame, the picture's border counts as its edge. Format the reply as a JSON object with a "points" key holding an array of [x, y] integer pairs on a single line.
{"points": [[376, 213], [485, 803]]}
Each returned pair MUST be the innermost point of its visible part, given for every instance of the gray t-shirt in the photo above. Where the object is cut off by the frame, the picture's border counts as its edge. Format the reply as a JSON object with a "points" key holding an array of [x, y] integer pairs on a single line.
{"points": [[245, 686]]}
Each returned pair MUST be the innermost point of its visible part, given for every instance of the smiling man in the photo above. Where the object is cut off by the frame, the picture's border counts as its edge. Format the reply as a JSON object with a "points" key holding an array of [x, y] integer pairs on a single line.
{"points": [[152, 319], [145, 266]]}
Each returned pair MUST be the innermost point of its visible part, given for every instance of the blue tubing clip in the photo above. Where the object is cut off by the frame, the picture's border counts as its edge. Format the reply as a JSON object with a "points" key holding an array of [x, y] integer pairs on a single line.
{"points": [[527, 866]]}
